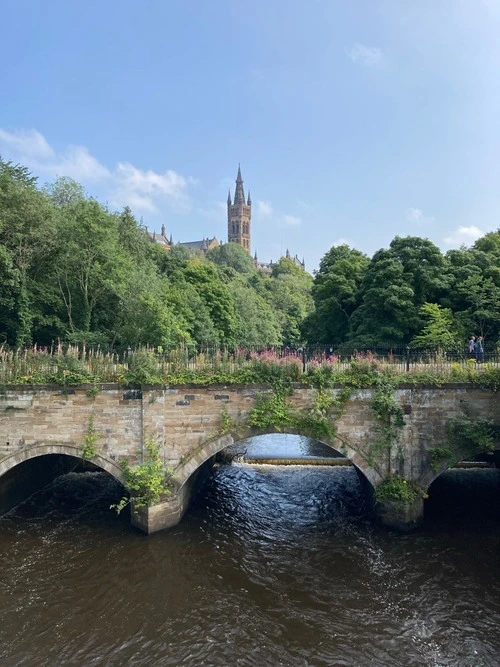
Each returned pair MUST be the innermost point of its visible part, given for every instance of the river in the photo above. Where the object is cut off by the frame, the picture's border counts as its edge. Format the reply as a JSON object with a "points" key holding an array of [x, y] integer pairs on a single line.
{"points": [[270, 566]]}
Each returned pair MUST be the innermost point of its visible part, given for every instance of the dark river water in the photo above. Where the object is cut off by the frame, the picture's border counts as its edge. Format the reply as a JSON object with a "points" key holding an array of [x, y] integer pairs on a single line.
{"points": [[270, 566]]}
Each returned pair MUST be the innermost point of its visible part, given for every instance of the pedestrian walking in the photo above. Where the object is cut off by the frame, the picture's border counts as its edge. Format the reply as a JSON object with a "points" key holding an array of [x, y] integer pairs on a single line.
{"points": [[472, 347]]}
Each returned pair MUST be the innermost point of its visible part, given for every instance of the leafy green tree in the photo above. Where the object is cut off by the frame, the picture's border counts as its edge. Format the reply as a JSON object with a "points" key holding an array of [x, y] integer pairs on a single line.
{"points": [[256, 325], [481, 298], [64, 192], [205, 277], [147, 315], [191, 308], [423, 267], [335, 294], [474, 294], [87, 261], [27, 240], [439, 329], [233, 255], [398, 282], [132, 239], [173, 261], [387, 314], [288, 292]]}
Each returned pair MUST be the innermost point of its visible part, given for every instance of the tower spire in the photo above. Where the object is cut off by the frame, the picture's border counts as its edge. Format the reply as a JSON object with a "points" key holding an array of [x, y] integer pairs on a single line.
{"points": [[239, 193], [239, 216]]}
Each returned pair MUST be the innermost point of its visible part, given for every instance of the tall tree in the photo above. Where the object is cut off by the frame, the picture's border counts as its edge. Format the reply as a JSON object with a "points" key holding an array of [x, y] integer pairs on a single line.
{"points": [[335, 294], [439, 330], [387, 314], [398, 282], [233, 255], [28, 241]]}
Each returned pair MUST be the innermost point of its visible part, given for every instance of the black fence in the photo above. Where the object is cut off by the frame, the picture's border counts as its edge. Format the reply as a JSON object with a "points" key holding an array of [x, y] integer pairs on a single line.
{"points": [[24, 364]]}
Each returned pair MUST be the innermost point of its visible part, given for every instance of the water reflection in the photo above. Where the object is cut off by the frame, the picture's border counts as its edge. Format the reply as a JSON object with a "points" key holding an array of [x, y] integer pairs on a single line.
{"points": [[281, 445], [271, 566]]}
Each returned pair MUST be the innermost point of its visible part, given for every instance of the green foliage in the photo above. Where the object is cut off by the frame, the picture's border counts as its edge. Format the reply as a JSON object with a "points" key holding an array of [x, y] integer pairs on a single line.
{"points": [[232, 255], [389, 420], [440, 456], [384, 404], [398, 282], [71, 269], [398, 491], [89, 449], [142, 369], [469, 435], [93, 390], [226, 423], [272, 410], [336, 295], [256, 323], [439, 331], [148, 482], [327, 408]]}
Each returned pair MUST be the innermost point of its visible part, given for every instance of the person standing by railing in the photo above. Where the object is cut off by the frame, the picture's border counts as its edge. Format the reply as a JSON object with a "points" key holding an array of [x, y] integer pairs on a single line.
{"points": [[472, 347], [479, 350]]}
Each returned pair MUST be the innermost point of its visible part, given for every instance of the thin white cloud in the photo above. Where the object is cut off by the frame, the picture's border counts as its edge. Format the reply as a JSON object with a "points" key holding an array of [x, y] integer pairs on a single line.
{"points": [[148, 186], [264, 209], [26, 143], [414, 215], [464, 236], [214, 211], [126, 184], [291, 220], [305, 205], [343, 241], [77, 163], [369, 56], [418, 217]]}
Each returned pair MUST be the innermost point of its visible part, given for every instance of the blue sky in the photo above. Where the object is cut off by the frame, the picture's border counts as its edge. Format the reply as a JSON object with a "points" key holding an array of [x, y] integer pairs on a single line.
{"points": [[353, 121]]}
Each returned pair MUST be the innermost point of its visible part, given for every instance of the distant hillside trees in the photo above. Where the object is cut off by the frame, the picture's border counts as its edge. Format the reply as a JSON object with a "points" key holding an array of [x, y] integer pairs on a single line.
{"points": [[72, 270]]}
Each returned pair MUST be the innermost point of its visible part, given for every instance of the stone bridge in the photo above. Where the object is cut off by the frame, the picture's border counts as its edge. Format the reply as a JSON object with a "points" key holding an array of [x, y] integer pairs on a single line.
{"points": [[187, 424]]}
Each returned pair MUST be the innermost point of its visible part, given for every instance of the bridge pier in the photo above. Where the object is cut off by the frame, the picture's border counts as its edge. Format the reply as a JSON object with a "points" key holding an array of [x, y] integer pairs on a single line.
{"points": [[170, 511], [166, 514], [400, 516]]}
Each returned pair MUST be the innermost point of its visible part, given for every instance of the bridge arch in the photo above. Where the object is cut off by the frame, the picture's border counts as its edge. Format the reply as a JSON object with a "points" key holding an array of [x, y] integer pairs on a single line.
{"points": [[103, 462], [213, 446], [432, 474]]}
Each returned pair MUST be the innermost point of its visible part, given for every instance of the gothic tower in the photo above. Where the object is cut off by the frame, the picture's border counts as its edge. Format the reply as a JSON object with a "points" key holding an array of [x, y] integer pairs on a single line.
{"points": [[239, 216]]}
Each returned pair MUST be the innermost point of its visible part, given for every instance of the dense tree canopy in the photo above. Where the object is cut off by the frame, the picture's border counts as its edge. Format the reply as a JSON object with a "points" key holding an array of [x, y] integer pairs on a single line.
{"points": [[335, 293], [70, 269]]}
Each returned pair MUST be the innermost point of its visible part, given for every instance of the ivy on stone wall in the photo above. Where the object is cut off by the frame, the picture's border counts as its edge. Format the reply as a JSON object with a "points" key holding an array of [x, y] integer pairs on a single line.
{"points": [[389, 422], [273, 410], [467, 436], [89, 449]]}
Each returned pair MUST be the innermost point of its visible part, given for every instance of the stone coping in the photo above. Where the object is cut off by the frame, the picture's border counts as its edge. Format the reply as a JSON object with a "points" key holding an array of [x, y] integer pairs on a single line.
{"points": [[109, 386]]}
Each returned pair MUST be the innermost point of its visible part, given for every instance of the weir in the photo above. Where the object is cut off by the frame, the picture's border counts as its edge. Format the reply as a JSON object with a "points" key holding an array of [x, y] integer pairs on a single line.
{"points": [[298, 461], [192, 424]]}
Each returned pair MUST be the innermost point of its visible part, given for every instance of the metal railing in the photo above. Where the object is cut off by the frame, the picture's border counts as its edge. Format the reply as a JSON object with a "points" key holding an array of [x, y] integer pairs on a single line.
{"points": [[28, 364]]}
